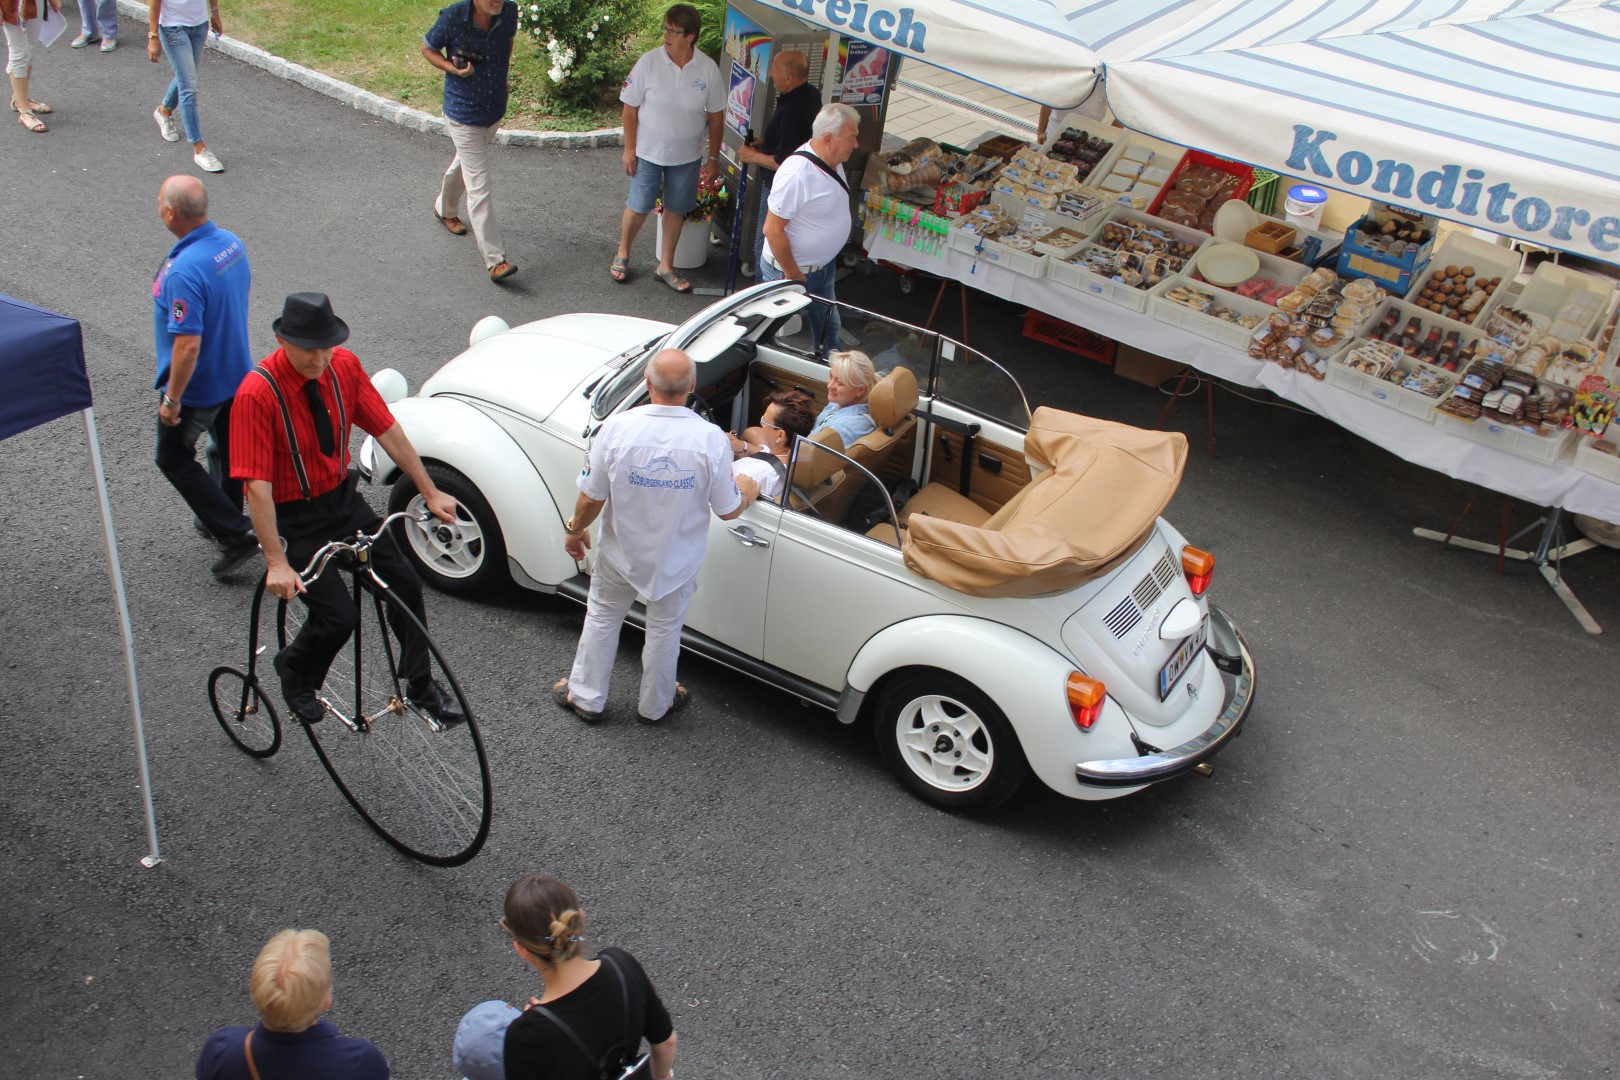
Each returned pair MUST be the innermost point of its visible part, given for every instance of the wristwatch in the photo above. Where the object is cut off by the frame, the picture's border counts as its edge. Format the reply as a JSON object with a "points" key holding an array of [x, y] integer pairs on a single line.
{"points": [[568, 528], [169, 402]]}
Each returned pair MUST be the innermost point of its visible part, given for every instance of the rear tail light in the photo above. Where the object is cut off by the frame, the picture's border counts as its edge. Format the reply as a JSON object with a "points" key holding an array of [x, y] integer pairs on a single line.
{"points": [[1086, 699], [1199, 566]]}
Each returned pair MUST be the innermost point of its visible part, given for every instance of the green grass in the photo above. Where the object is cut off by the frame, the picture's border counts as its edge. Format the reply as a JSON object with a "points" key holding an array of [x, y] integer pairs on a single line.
{"points": [[377, 45]]}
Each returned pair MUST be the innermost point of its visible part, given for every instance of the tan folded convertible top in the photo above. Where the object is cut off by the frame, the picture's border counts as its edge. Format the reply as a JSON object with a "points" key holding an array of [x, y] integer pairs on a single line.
{"points": [[1104, 487]]}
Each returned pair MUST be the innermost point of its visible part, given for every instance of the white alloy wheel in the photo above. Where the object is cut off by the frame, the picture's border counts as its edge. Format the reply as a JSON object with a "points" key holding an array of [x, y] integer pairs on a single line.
{"points": [[450, 551], [468, 557], [947, 741]]}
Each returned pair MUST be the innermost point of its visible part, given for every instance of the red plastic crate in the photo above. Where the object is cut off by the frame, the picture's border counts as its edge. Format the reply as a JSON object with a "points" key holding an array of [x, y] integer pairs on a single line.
{"points": [[1039, 326], [1244, 173]]}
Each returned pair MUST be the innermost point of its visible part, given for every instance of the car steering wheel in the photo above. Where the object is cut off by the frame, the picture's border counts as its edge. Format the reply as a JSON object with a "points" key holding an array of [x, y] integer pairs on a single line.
{"points": [[695, 402]]}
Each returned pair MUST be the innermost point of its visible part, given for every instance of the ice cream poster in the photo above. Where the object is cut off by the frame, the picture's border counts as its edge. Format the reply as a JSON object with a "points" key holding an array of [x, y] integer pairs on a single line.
{"points": [[747, 44], [865, 66], [740, 100]]}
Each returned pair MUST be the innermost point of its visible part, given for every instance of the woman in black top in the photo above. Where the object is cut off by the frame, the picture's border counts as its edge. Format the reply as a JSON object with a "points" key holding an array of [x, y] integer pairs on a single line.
{"points": [[608, 1002]]}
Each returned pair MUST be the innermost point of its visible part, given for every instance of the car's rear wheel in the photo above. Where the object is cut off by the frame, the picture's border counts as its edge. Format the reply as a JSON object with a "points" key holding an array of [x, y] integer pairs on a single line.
{"points": [[467, 558], [948, 742]]}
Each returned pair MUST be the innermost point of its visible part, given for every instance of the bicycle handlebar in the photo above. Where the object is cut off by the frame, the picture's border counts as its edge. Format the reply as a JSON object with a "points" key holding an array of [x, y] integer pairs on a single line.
{"points": [[361, 540]]}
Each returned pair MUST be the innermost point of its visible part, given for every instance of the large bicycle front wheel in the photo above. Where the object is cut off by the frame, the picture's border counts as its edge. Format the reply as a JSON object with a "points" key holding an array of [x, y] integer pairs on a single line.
{"points": [[422, 786]]}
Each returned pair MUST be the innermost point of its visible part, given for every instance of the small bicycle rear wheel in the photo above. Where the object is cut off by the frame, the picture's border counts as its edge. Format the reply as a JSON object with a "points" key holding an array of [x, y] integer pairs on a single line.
{"points": [[244, 712], [422, 786]]}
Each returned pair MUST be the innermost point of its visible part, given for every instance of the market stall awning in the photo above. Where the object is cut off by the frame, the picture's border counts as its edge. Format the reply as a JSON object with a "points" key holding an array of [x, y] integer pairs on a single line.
{"points": [[1500, 114]]}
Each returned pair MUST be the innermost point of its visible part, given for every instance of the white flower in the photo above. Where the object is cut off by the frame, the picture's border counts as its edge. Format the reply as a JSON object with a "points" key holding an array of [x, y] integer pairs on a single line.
{"points": [[590, 35]]}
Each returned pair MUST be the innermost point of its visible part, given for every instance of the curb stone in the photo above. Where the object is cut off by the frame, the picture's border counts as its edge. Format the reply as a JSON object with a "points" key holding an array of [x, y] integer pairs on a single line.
{"points": [[375, 104]]}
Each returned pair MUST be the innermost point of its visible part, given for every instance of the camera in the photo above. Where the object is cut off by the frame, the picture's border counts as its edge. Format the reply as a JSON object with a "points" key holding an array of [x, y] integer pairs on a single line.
{"points": [[460, 54]]}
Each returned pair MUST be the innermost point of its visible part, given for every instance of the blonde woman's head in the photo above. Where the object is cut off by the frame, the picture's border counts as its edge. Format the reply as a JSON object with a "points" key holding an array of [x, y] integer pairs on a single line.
{"points": [[850, 377], [291, 984]]}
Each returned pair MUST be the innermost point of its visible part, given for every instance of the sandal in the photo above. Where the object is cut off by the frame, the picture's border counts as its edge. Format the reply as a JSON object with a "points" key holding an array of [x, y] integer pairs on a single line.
{"points": [[682, 695], [33, 106], [559, 694], [31, 122], [619, 270], [673, 280]]}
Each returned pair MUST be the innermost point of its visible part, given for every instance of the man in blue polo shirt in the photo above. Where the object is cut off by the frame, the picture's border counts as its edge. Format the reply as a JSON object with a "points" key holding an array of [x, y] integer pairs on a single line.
{"points": [[472, 44], [199, 323]]}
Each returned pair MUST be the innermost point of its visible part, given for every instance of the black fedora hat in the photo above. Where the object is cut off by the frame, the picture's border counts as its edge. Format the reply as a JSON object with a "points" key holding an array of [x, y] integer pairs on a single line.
{"points": [[307, 321]]}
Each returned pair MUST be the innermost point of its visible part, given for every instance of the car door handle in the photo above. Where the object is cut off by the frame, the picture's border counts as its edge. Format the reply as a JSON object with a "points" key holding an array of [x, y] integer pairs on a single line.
{"points": [[747, 537]]}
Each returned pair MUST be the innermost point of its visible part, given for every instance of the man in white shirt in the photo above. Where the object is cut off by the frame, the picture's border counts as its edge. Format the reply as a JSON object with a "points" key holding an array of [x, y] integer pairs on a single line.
{"points": [[808, 222], [763, 451], [653, 474]]}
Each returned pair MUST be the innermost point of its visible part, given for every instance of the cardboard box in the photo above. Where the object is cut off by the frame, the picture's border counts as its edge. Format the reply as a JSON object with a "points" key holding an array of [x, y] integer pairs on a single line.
{"points": [[1145, 367]]}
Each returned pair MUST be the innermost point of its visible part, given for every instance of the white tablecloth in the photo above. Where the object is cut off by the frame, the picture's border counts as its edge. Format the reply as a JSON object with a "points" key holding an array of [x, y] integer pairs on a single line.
{"points": [[1416, 440]]}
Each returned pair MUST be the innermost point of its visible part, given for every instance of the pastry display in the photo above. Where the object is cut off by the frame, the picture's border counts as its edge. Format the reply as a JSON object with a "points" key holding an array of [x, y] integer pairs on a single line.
{"points": [[1080, 151], [1456, 292], [1197, 193], [1136, 253]]}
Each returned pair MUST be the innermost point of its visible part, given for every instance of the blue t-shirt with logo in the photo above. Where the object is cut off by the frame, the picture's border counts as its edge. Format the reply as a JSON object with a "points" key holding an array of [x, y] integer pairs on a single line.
{"points": [[202, 290], [479, 99]]}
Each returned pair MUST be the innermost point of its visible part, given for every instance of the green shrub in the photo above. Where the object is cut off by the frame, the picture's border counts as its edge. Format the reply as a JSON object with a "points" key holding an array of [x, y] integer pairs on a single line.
{"points": [[584, 47]]}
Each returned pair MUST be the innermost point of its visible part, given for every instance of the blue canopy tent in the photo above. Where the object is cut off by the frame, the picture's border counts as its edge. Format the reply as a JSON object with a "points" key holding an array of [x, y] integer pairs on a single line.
{"points": [[1500, 114], [42, 368]]}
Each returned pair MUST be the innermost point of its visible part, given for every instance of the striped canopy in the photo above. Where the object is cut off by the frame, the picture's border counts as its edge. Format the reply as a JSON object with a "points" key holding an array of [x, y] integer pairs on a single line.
{"points": [[1501, 114]]}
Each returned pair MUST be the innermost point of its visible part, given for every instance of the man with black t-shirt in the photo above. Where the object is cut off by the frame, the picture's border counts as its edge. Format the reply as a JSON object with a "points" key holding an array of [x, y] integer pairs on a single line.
{"points": [[788, 129], [290, 444]]}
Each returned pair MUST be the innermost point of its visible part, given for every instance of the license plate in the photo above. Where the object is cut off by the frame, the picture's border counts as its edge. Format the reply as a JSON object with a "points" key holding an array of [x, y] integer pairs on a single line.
{"points": [[1177, 665]]}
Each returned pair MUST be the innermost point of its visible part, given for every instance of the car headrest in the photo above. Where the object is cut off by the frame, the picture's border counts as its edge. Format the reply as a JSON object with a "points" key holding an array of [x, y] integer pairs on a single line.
{"points": [[813, 465], [893, 398]]}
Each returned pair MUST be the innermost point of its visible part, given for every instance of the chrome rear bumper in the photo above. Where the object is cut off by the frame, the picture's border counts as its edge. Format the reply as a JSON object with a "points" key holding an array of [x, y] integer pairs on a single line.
{"points": [[1231, 655]]}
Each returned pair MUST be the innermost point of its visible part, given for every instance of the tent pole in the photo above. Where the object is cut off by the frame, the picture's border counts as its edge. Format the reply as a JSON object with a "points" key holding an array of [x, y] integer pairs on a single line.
{"points": [[115, 574]]}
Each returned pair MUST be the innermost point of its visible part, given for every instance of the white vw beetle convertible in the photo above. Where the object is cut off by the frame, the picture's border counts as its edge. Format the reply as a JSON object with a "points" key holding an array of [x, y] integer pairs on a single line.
{"points": [[996, 592]]}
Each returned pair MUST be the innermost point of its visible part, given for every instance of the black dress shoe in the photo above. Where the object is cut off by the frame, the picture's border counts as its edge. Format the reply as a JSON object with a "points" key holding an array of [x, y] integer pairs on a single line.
{"points": [[436, 701], [235, 555], [302, 701]]}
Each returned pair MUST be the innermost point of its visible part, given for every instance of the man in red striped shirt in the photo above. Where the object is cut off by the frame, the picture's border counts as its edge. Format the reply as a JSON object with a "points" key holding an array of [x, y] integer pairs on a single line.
{"points": [[290, 444]]}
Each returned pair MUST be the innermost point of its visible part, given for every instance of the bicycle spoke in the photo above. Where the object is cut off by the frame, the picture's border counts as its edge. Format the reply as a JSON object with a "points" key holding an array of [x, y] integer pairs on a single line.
{"points": [[426, 791]]}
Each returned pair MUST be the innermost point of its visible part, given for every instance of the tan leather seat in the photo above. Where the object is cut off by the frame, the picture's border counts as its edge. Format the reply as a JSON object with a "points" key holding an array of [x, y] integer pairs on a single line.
{"points": [[937, 500], [890, 402], [815, 473]]}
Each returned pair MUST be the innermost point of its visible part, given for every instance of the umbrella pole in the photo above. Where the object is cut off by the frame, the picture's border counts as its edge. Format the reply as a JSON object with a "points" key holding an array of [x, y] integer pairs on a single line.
{"points": [[115, 575]]}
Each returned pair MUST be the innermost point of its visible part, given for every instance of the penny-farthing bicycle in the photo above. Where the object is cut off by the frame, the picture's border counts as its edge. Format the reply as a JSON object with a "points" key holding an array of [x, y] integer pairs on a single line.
{"points": [[422, 785]]}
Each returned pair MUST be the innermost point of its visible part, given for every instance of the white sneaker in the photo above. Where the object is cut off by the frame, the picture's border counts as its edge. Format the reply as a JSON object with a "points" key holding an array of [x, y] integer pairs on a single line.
{"points": [[166, 124], [207, 162], [109, 44]]}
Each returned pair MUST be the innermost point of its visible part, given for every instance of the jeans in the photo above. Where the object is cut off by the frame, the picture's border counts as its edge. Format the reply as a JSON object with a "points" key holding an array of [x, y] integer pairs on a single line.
{"points": [[824, 322], [99, 17], [183, 45], [219, 508]]}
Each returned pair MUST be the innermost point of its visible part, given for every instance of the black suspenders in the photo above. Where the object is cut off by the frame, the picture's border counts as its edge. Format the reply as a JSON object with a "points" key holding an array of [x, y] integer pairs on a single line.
{"points": [[292, 439]]}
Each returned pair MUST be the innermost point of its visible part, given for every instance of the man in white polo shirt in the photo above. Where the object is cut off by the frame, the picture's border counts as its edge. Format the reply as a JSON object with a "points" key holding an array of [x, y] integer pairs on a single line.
{"points": [[673, 99], [809, 219], [653, 474]]}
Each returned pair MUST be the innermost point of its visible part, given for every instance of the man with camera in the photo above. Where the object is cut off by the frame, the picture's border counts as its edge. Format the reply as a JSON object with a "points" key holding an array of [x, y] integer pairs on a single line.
{"points": [[472, 44]]}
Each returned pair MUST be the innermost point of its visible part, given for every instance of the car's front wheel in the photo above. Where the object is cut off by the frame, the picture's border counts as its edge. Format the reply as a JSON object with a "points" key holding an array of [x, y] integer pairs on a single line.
{"points": [[468, 557], [948, 742]]}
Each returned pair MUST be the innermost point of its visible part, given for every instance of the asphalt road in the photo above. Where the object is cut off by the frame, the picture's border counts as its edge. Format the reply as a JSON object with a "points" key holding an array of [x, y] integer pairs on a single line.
{"points": [[1406, 867]]}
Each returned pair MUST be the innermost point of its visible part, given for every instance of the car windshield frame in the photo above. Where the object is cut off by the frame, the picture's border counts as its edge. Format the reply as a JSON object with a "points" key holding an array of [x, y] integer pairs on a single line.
{"points": [[942, 365], [611, 390]]}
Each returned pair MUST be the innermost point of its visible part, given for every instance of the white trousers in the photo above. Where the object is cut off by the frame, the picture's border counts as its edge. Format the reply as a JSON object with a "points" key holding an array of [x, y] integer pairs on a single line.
{"points": [[609, 601], [22, 43], [469, 174]]}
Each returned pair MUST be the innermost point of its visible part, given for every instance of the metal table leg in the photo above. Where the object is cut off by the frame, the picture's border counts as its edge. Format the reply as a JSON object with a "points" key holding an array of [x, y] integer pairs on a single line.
{"points": [[1548, 557]]}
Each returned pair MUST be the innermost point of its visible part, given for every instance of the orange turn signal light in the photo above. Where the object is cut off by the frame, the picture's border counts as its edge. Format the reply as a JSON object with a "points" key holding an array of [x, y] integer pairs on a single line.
{"points": [[1199, 566], [1086, 699]]}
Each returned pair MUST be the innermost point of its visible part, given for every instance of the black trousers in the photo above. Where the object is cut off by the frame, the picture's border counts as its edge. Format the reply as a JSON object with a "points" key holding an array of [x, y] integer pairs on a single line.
{"points": [[217, 504], [307, 526]]}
